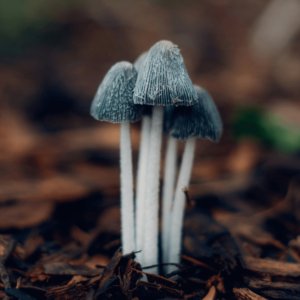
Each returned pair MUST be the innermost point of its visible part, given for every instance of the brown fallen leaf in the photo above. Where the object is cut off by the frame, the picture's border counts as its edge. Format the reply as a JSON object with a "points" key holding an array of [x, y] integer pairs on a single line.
{"points": [[97, 260], [19, 140], [57, 188], [217, 281], [70, 253], [22, 215], [125, 280], [37, 274], [68, 292], [94, 279], [110, 268], [274, 269], [212, 294], [7, 246], [249, 229], [77, 279], [33, 241], [62, 268], [246, 294]]}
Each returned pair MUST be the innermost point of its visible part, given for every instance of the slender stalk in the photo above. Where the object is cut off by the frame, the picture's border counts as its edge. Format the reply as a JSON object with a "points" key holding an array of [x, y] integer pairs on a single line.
{"points": [[168, 193], [141, 186], [150, 244], [127, 212], [179, 202]]}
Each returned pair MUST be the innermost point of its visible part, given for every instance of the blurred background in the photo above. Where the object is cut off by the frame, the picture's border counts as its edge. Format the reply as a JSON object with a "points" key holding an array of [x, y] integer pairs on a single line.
{"points": [[53, 56]]}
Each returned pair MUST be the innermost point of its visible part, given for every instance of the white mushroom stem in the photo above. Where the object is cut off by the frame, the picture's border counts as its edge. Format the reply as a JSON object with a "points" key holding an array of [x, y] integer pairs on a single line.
{"points": [[150, 244], [168, 193], [179, 202], [141, 186], [127, 210]]}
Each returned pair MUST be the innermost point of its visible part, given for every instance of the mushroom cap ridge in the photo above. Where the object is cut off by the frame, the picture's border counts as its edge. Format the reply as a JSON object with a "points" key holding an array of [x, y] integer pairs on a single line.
{"points": [[201, 120], [163, 79], [113, 101]]}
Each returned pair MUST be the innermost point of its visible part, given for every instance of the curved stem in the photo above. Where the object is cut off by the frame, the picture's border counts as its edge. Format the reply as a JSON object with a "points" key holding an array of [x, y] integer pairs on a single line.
{"points": [[179, 202], [168, 193], [150, 244], [127, 212], [141, 186]]}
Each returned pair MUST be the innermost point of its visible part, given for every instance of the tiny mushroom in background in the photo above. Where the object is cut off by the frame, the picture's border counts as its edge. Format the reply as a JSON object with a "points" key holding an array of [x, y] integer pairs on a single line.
{"points": [[113, 102], [201, 120], [162, 81], [141, 183]]}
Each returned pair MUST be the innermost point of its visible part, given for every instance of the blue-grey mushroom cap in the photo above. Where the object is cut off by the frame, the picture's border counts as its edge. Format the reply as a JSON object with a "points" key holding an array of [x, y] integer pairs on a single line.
{"points": [[200, 120], [163, 79], [139, 61], [113, 101]]}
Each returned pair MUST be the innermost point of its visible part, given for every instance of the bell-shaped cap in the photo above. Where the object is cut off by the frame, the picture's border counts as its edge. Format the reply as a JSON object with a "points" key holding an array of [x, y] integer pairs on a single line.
{"points": [[163, 79], [113, 101], [139, 61], [200, 120]]}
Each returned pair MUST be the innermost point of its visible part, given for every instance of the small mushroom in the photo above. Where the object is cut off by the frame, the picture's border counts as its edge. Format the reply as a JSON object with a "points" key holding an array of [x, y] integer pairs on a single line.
{"points": [[162, 81], [201, 120], [113, 102]]}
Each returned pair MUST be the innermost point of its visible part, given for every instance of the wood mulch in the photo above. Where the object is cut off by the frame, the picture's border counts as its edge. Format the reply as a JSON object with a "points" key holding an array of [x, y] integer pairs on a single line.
{"points": [[60, 222]]}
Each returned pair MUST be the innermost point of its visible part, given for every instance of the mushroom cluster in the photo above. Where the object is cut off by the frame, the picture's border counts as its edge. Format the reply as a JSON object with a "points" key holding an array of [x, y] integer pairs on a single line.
{"points": [[129, 92]]}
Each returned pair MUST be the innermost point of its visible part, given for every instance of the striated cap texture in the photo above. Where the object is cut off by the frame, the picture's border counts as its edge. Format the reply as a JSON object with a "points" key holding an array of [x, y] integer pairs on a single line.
{"points": [[138, 62], [146, 109], [163, 79], [113, 101], [200, 120]]}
